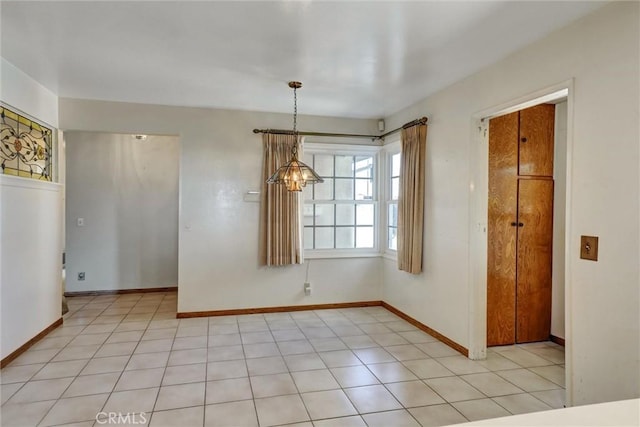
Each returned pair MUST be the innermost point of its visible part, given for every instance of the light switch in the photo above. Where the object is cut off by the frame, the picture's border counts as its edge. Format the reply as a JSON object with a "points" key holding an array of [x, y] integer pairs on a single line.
{"points": [[80, 222], [589, 248]]}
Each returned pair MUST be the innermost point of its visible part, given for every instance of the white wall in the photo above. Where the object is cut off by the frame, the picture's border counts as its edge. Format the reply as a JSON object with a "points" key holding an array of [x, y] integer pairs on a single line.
{"points": [[220, 160], [601, 54], [126, 191], [31, 259], [20, 91], [559, 218], [31, 218]]}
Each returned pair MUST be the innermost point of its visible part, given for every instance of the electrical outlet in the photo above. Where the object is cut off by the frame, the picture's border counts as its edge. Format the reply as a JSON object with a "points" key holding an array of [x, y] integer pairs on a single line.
{"points": [[81, 276], [307, 288]]}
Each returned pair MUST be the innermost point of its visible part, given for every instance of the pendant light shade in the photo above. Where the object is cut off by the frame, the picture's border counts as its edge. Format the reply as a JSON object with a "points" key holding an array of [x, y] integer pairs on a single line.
{"points": [[295, 174]]}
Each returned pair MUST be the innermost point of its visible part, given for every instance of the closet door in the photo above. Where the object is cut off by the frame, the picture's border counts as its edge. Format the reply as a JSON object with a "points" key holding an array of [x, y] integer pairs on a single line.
{"points": [[501, 235], [536, 140], [534, 260]]}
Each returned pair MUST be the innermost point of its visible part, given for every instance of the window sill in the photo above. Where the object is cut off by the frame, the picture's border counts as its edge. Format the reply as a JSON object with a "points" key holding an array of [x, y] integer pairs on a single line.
{"points": [[337, 253], [391, 256]]}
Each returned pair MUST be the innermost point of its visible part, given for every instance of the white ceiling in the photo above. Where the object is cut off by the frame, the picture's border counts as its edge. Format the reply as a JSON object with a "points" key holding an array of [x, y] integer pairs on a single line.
{"points": [[356, 59]]}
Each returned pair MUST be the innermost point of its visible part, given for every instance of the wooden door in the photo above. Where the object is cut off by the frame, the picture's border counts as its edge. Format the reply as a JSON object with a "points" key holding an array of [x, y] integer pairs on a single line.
{"points": [[536, 141], [534, 260], [501, 235]]}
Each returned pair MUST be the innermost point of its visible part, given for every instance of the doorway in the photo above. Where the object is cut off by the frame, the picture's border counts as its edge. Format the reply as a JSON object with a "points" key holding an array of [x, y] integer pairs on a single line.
{"points": [[478, 209]]}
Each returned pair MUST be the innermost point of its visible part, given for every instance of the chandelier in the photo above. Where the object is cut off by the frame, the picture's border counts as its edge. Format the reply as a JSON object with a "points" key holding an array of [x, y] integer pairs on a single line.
{"points": [[295, 174]]}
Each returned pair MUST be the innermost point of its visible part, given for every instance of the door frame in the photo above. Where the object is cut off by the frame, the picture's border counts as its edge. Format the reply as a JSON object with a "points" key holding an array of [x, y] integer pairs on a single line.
{"points": [[478, 197]]}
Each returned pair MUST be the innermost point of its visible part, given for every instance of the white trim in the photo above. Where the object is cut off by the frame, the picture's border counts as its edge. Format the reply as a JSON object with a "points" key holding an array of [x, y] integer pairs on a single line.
{"points": [[478, 194], [340, 253], [340, 149], [22, 182]]}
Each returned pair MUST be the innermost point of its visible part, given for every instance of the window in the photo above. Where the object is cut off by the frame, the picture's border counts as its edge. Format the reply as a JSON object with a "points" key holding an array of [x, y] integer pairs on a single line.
{"points": [[392, 201], [341, 213]]}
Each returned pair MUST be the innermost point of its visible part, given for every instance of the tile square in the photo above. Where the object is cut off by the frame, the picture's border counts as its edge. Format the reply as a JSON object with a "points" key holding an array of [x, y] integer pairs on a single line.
{"points": [[223, 329], [391, 372], [129, 326], [131, 401], [228, 390], [224, 340], [555, 373], [183, 374], [252, 351], [480, 409], [375, 329], [354, 376], [317, 380], [388, 339], [229, 352], [76, 353], [100, 328], [437, 415], [8, 390], [372, 398], [453, 389], [406, 352], [523, 357], [288, 335], [496, 362], [148, 360], [437, 349], [414, 393], [521, 403], [339, 358], [35, 391], [116, 349], [258, 326], [226, 369], [417, 337], [25, 414], [328, 404], [427, 368], [60, 369], [256, 337], [89, 339], [74, 409], [178, 417], [398, 418], [281, 410], [187, 357], [491, 384], [554, 398], [327, 344], [105, 365], [129, 336], [188, 343], [241, 413], [374, 355], [266, 366], [527, 380], [31, 357], [180, 396], [141, 378], [16, 374], [347, 330], [295, 347], [358, 341], [52, 343], [460, 365], [272, 385], [154, 346], [92, 384], [319, 332], [304, 362]]}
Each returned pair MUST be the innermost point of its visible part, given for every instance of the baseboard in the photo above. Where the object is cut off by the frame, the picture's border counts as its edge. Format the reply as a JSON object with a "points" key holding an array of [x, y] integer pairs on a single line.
{"points": [[454, 345], [260, 310], [120, 291], [11, 357], [557, 340]]}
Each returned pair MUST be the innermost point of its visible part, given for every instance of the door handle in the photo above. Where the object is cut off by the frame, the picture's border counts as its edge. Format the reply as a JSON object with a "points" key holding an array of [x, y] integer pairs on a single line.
{"points": [[517, 224]]}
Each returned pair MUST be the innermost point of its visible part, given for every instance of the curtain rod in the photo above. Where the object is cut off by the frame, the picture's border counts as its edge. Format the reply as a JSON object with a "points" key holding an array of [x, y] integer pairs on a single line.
{"points": [[420, 121]]}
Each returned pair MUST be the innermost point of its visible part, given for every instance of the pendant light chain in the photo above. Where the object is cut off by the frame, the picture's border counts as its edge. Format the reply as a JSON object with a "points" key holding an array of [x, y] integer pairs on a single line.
{"points": [[294, 150]]}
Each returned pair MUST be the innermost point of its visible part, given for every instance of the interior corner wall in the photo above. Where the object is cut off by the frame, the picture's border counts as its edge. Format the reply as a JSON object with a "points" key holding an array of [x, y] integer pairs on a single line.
{"points": [[220, 160], [126, 192], [600, 52]]}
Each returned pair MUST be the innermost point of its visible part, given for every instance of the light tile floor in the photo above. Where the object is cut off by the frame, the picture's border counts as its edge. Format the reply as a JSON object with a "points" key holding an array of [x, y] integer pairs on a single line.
{"points": [[129, 355]]}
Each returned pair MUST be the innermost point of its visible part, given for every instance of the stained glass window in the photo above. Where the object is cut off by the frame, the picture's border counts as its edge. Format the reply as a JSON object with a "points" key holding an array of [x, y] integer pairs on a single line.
{"points": [[25, 146]]}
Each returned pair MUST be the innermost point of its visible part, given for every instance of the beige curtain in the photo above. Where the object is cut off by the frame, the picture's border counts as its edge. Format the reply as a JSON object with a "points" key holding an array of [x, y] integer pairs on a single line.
{"points": [[411, 198], [280, 226]]}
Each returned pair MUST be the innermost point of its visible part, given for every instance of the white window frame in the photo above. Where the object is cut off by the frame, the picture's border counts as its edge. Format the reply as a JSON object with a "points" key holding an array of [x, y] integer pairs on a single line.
{"points": [[389, 150], [350, 150]]}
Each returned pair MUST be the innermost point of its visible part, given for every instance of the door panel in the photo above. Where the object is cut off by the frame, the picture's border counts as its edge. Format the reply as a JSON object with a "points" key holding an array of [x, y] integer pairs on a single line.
{"points": [[535, 243], [501, 236], [536, 140]]}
